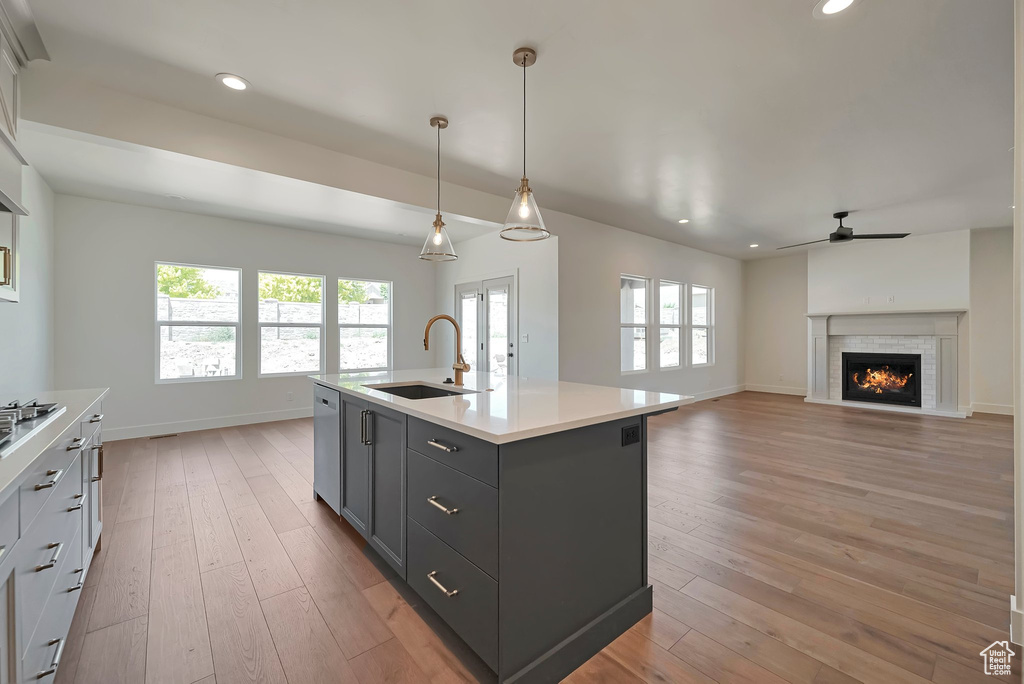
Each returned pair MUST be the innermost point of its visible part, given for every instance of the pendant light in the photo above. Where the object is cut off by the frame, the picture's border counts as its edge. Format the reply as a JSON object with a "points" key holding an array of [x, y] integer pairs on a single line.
{"points": [[438, 246], [524, 222]]}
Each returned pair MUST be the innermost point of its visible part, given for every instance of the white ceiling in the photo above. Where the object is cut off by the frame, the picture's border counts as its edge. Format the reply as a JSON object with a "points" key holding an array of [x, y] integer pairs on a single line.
{"points": [[750, 117], [90, 166]]}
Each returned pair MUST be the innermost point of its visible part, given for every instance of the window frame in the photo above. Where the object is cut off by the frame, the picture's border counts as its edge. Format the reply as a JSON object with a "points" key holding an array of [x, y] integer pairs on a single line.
{"points": [[237, 325], [646, 325], [681, 326], [260, 325], [709, 326], [390, 327]]}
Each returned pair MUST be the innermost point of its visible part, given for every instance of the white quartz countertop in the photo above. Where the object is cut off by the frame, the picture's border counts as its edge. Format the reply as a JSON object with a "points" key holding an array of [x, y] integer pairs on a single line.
{"points": [[76, 402], [500, 409]]}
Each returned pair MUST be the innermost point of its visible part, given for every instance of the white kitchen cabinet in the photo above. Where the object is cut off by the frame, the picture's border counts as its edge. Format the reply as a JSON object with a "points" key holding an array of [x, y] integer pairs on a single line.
{"points": [[9, 262]]}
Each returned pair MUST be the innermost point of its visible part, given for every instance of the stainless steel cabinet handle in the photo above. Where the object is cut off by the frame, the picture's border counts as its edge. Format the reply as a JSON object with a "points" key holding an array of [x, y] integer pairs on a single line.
{"points": [[447, 592], [96, 418], [436, 504], [95, 479], [442, 447], [76, 443], [362, 427], [81, 581], [3, 550], [6, 259], [369, 428], [57, 547], [78, 506], [59, 643], [55, 474]]}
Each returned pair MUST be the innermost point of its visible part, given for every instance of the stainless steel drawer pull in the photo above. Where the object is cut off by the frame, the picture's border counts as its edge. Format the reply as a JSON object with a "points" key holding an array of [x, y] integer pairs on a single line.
{"points": [[447, 592], [438, 505], [3, 550], [81, 582], [96, 418], [95, 479], [57, 547], [55, 474], [76, 443], [442, 447], [77, 506], [59, 643]]}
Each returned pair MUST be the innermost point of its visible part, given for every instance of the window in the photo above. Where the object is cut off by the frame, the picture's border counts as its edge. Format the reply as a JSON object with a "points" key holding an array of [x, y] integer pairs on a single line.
{"points": [[291, 323], [364, 320], [633, 307], [197, 314], [670, 300], [702, 325]]}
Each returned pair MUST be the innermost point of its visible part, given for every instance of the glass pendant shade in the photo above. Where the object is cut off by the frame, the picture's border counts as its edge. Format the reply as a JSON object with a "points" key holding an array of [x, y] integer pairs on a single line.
{"points": [[438, 246], [524, 222]]}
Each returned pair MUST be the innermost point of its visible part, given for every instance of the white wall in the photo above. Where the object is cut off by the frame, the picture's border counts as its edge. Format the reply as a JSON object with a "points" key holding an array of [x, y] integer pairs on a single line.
{"points": [[105, 253], [919, 272], [27, 327], [991, 348], [591, 257], [775, 324], [535, 266]]}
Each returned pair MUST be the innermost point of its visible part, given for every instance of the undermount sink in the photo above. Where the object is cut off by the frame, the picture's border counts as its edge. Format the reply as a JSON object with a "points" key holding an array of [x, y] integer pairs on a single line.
{"points": [[418, 391]]}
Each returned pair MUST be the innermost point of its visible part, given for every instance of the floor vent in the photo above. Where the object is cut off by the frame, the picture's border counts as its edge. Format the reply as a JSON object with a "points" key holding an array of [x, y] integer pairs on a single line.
{"points": [[164, 436]]}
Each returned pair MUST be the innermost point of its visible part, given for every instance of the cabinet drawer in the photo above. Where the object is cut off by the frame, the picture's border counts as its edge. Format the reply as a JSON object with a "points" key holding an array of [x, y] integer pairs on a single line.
{"points": [[468, 455], [473, 529], [8, 525], [51, 467], [91, 425], [472, 608], [50, 535], [44, 648]]}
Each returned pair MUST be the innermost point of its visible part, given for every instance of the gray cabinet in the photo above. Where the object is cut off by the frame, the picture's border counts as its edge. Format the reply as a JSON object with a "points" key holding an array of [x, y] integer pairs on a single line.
{"points": [[359, 468], [355, 465], [387, 485], [327, 446]]}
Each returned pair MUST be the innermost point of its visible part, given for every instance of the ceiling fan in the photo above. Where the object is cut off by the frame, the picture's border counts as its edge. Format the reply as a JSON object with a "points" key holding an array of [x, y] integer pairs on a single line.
{"points": [[845, 234]]}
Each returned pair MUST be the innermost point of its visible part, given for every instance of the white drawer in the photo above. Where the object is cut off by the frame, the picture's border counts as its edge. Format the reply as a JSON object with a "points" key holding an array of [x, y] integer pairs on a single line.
{"points": [[50, 536], [44, 648]]}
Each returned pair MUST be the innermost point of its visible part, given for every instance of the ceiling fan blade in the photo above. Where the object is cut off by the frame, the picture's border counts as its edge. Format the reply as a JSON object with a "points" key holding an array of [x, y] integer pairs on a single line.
{"points": [[801, 244], [880, 236]]}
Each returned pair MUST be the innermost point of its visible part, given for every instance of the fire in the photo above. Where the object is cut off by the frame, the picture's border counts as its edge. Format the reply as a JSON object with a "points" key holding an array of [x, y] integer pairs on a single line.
{"points": [[881, 380]]}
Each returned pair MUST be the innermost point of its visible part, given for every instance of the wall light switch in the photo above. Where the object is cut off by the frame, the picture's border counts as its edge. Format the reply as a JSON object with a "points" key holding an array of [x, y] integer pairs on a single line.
{"points": [[867, 300], [525, 338], [892, 299], [290, 396]]}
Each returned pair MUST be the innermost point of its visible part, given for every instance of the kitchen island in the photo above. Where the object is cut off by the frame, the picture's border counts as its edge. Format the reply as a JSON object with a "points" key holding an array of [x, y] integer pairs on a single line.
{"points": [[516, 508]]}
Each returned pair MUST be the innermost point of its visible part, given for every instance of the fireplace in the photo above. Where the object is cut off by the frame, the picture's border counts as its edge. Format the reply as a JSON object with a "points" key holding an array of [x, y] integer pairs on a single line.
{"points": [[882, 378]]}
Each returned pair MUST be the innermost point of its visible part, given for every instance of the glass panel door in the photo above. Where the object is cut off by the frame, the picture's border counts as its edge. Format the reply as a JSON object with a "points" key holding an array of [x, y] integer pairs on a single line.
{"points": [[500, 340]]}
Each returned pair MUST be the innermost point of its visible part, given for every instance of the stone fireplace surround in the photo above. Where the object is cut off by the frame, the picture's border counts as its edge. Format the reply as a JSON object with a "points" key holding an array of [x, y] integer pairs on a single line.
{"points": [[932, 334]]}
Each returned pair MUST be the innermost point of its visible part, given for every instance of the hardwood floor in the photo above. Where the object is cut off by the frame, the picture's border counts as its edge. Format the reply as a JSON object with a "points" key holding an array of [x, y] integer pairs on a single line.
{"points": [[789, 542]]}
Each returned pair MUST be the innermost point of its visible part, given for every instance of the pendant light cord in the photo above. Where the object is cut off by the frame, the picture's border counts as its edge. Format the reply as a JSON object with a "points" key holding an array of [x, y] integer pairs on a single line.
{"points": [[439, 169], [524, 116]]}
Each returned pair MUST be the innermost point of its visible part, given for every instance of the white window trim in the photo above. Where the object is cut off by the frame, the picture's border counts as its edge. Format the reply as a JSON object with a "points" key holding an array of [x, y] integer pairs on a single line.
{"points": [[710, 327], [646, 325], [261, 325], [389, 326], [681, 326], [198, 324]]}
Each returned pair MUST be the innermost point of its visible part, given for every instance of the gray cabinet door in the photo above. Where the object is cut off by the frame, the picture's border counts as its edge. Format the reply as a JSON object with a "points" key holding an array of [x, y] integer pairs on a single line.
{"points": [[327, 446], [355, 465], [387, 501]]}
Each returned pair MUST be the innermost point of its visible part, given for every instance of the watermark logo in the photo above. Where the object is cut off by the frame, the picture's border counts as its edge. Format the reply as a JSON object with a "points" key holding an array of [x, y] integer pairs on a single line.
{"points": [[997, 658]]}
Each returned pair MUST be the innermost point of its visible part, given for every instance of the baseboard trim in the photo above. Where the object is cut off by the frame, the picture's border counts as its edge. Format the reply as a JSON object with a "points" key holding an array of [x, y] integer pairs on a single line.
{"points": [[891, 409], [111, 434], [712, 394], [778, 389], [998, 409]]}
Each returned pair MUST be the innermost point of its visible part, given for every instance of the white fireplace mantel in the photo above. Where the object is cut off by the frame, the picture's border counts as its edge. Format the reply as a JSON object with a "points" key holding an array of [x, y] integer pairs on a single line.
{"points": [[942, 325]]}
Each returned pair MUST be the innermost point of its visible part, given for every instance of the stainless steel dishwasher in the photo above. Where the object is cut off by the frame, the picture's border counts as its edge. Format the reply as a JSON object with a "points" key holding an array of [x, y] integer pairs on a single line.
{"points": [[327, 446]]}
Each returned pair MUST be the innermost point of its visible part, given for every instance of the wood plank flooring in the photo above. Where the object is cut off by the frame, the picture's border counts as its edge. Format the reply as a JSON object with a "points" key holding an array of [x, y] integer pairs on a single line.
{"points": [[788, 542]]}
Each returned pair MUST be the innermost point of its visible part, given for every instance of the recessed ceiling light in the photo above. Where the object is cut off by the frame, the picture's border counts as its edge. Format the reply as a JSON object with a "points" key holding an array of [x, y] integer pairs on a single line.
{"points": [[232, 81], [826, 8], [684, 220], [755, 245]]}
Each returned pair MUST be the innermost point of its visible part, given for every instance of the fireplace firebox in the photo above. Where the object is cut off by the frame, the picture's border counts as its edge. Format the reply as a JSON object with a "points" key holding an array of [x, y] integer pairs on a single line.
{"points": [[882, 378]]}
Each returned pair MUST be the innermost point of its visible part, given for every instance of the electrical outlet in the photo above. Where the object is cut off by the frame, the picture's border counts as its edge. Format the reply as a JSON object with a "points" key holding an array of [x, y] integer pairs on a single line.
{"points": [[290, 396], [867, 300], [891, 299], [630, 435], [780, 377]]}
